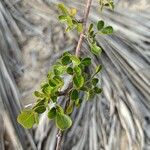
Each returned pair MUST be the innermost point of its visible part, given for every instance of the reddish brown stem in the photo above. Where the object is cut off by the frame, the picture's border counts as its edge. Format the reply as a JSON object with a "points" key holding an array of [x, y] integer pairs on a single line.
{"points": [[86, 13], [59, 140]]}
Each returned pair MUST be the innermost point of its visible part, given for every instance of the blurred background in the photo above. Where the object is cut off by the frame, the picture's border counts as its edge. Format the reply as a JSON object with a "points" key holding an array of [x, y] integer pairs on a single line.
{"points": [[31, 39]]}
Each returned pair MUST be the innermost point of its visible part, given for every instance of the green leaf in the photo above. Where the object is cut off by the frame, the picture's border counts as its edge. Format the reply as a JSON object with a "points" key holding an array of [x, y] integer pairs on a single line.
{"points": [[92, 34], [69, 109], [46, 89], [38, 94], [66, 54], [62, 18], [54, 90], [91, 94], [90, 28], [78, 102], [54, 98], [75, 60], [66, 60], [69, 21], [40, 109], [77, 70], [100, 25], [44, 85], [63, 121], [85, 76], [74, 94], [79, 27], [97, 90], [52, 83], [40, 106], [111, 5], [95, 49], [86, 61], [36, 116], [27, 118], [59, 69], [84, 88], [107, 4], [107, 30], [39, 102], [68, 29], [52, 113], [70, 70], [78, 81], [63, 9], [98, 69], [58, 81], [95, 81], [49, 75], [59, 109], [73, 12], [82, 67]]}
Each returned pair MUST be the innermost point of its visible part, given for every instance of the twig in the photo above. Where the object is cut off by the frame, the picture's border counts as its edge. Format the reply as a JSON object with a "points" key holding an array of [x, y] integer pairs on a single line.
{"points": [[88, 5], [59, 140], [77, 53], [65, 92]]}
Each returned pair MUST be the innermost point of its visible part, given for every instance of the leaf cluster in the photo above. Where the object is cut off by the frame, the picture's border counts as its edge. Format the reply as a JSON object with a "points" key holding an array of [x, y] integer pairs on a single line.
{"points": [[49, 93], [68, 17], [91, 35], [106, 4]]}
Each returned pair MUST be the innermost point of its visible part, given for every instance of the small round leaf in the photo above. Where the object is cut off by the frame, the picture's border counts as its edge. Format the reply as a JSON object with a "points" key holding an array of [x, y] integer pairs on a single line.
{"points": [[62, 7], [65, 60], [38, 94], [59, 109], [62, 18], [90, 27], [26, 118], [95, 49], [95, 81], [78, 80], [52, 113], [97, 90], [86, 61], [70, 70], [75, 60], [79, 27], [40, 109], [69, 109], [63, 121], [100, 24], [107, 30], [74, 94], [59, 69], [78, 102], [73, 12], [77, 70]]}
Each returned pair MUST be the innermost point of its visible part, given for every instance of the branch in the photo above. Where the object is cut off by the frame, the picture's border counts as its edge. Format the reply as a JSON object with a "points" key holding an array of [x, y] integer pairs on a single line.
{"points": [[65, 92], [87, 10], [77, 53]]}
